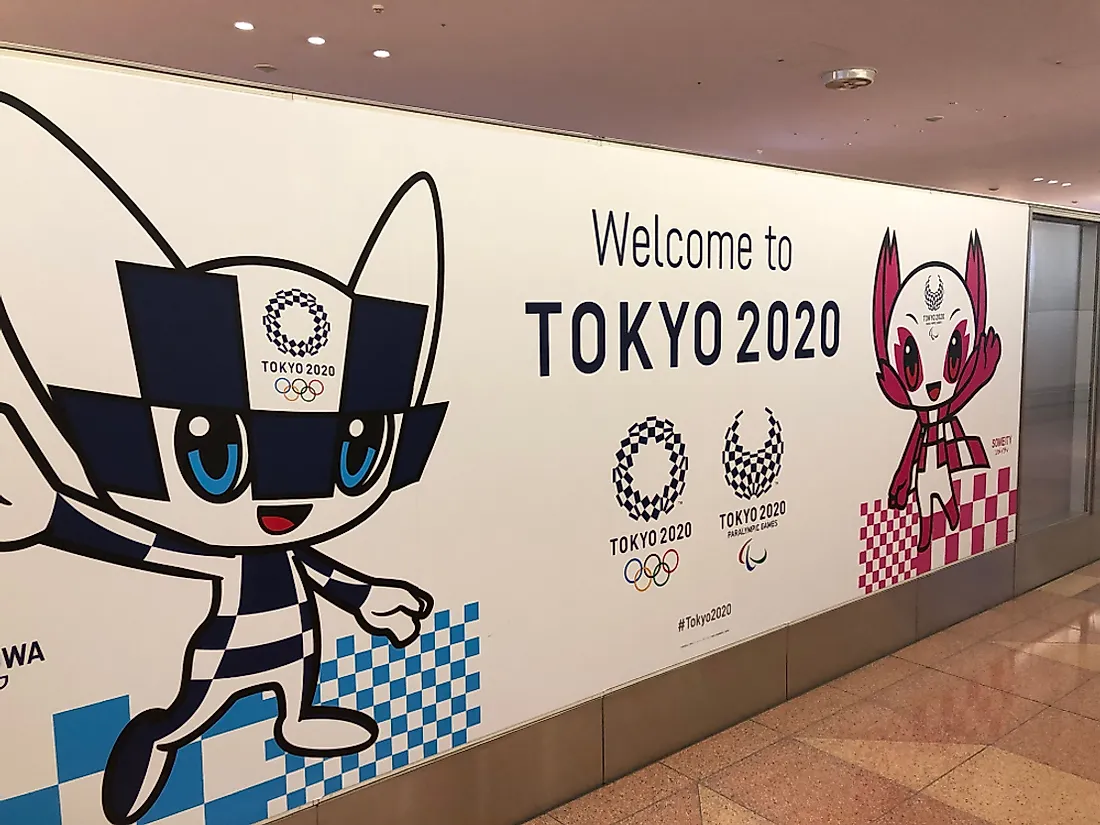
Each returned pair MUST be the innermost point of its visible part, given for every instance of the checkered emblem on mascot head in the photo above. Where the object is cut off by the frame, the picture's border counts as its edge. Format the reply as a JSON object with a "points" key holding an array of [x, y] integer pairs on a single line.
{"points": [[751, 474], [302, 302]]}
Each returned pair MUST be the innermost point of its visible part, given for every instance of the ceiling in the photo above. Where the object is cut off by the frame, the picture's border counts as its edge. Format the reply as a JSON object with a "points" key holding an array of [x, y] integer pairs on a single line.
{"points": [[1015, 81]]}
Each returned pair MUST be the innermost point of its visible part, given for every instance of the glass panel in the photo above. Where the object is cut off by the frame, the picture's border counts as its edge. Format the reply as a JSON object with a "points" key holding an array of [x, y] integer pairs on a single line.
{"points": [[1055, 424]]}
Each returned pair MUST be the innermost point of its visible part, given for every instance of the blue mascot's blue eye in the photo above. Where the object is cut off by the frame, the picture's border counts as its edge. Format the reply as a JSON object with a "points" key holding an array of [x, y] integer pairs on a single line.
{"points": [[361, 453], [215, 486], [354, 479], [211, 453]]}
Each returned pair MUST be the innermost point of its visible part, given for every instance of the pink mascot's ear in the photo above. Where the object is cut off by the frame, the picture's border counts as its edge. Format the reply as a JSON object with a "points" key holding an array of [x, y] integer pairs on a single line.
{"points": [[975, 280], [887, 286]]}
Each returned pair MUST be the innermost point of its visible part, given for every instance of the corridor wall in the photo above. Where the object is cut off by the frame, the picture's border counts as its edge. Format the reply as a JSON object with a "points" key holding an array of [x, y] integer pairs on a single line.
{"points": [[338, 438]]}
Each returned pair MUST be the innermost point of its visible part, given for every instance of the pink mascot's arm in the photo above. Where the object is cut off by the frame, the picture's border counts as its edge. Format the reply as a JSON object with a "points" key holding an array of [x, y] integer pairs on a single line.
{"points": [[978, 370], [891, 386]]}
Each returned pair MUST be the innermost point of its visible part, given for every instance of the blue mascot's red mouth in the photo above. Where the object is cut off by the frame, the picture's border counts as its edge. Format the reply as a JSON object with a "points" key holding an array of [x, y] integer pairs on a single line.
{"points": [[279, 520]]}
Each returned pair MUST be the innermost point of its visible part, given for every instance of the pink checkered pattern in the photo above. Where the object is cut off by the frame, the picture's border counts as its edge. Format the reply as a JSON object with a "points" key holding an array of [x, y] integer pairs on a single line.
{"points": [[987, 518]]}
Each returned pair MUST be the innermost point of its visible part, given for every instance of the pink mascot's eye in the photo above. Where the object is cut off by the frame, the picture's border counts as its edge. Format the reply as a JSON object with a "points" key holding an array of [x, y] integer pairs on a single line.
{"points": [[957, 349], [907, 360]]}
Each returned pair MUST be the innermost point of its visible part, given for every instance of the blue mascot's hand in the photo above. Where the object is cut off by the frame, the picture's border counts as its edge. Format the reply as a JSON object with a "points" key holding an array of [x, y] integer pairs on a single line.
{"points": [[395, 609]]}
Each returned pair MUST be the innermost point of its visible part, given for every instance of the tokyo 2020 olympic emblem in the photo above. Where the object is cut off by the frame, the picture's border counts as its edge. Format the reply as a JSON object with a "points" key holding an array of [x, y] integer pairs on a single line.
{"points": [[273, 324], [750, 474], [655, 570], [639, 506]]}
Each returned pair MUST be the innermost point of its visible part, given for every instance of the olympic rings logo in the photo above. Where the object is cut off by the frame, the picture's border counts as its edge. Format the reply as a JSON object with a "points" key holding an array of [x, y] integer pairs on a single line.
{"points": [[655, 570], [299, 388]]}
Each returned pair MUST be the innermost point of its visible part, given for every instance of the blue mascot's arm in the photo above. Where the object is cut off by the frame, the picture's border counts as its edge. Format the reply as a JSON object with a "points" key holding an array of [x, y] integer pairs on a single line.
{"points": [[344, 587], [404, 603], [72, 531]]}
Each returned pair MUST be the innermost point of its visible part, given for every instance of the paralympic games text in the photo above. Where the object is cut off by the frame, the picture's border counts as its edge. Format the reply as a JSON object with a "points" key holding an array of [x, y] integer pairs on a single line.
{"points": [[752, 519]]}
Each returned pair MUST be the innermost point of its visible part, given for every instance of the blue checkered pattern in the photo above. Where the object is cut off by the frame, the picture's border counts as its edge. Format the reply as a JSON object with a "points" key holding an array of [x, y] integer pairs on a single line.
{"points": [[422, 698]]}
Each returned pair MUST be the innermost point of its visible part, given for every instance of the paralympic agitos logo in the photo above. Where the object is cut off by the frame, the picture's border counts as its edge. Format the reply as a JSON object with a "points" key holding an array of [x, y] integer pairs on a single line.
{"points": [[750, 560]]}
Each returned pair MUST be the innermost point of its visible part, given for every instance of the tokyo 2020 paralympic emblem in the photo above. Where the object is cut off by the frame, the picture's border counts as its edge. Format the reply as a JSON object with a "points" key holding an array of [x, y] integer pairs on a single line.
{"points": [[750, 474], [639, 506], [273, 324]]}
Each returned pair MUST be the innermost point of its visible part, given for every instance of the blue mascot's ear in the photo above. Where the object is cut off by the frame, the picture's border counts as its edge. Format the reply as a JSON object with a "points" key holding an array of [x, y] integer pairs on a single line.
{"points": [[393, 340], [419, 430], [403, 261], [68, 224]]}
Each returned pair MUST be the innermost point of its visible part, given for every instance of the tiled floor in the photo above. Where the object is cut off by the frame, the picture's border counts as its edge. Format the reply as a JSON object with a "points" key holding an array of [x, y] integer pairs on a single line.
{"points": [[995, 721]]}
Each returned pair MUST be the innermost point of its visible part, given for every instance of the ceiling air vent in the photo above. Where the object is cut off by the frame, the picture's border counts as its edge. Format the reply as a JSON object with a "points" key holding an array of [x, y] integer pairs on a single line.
{"points": [[845, 79]]}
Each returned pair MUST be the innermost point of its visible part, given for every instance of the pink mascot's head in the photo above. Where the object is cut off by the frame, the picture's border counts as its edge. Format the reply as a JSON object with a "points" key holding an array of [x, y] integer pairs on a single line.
{"points": [[928, 326]]}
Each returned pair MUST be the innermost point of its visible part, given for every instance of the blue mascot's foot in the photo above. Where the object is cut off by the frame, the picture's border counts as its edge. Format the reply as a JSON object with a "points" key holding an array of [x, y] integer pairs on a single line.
{"points": [[136, 769]]}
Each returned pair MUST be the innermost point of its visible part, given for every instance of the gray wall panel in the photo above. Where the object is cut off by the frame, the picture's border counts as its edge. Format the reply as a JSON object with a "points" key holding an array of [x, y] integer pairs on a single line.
{"points": [[834, 643], [651, 719], [500, 782], [1055, 551], [305, 816], [964, 589]]}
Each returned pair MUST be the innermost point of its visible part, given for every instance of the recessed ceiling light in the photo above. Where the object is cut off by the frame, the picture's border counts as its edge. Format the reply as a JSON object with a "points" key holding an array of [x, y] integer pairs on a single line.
{"points": [[1067, 184], [934, 118], [244, 25], [1051, 181], [381, 54], [1037, 180], [266, 68], [316, 41]]}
